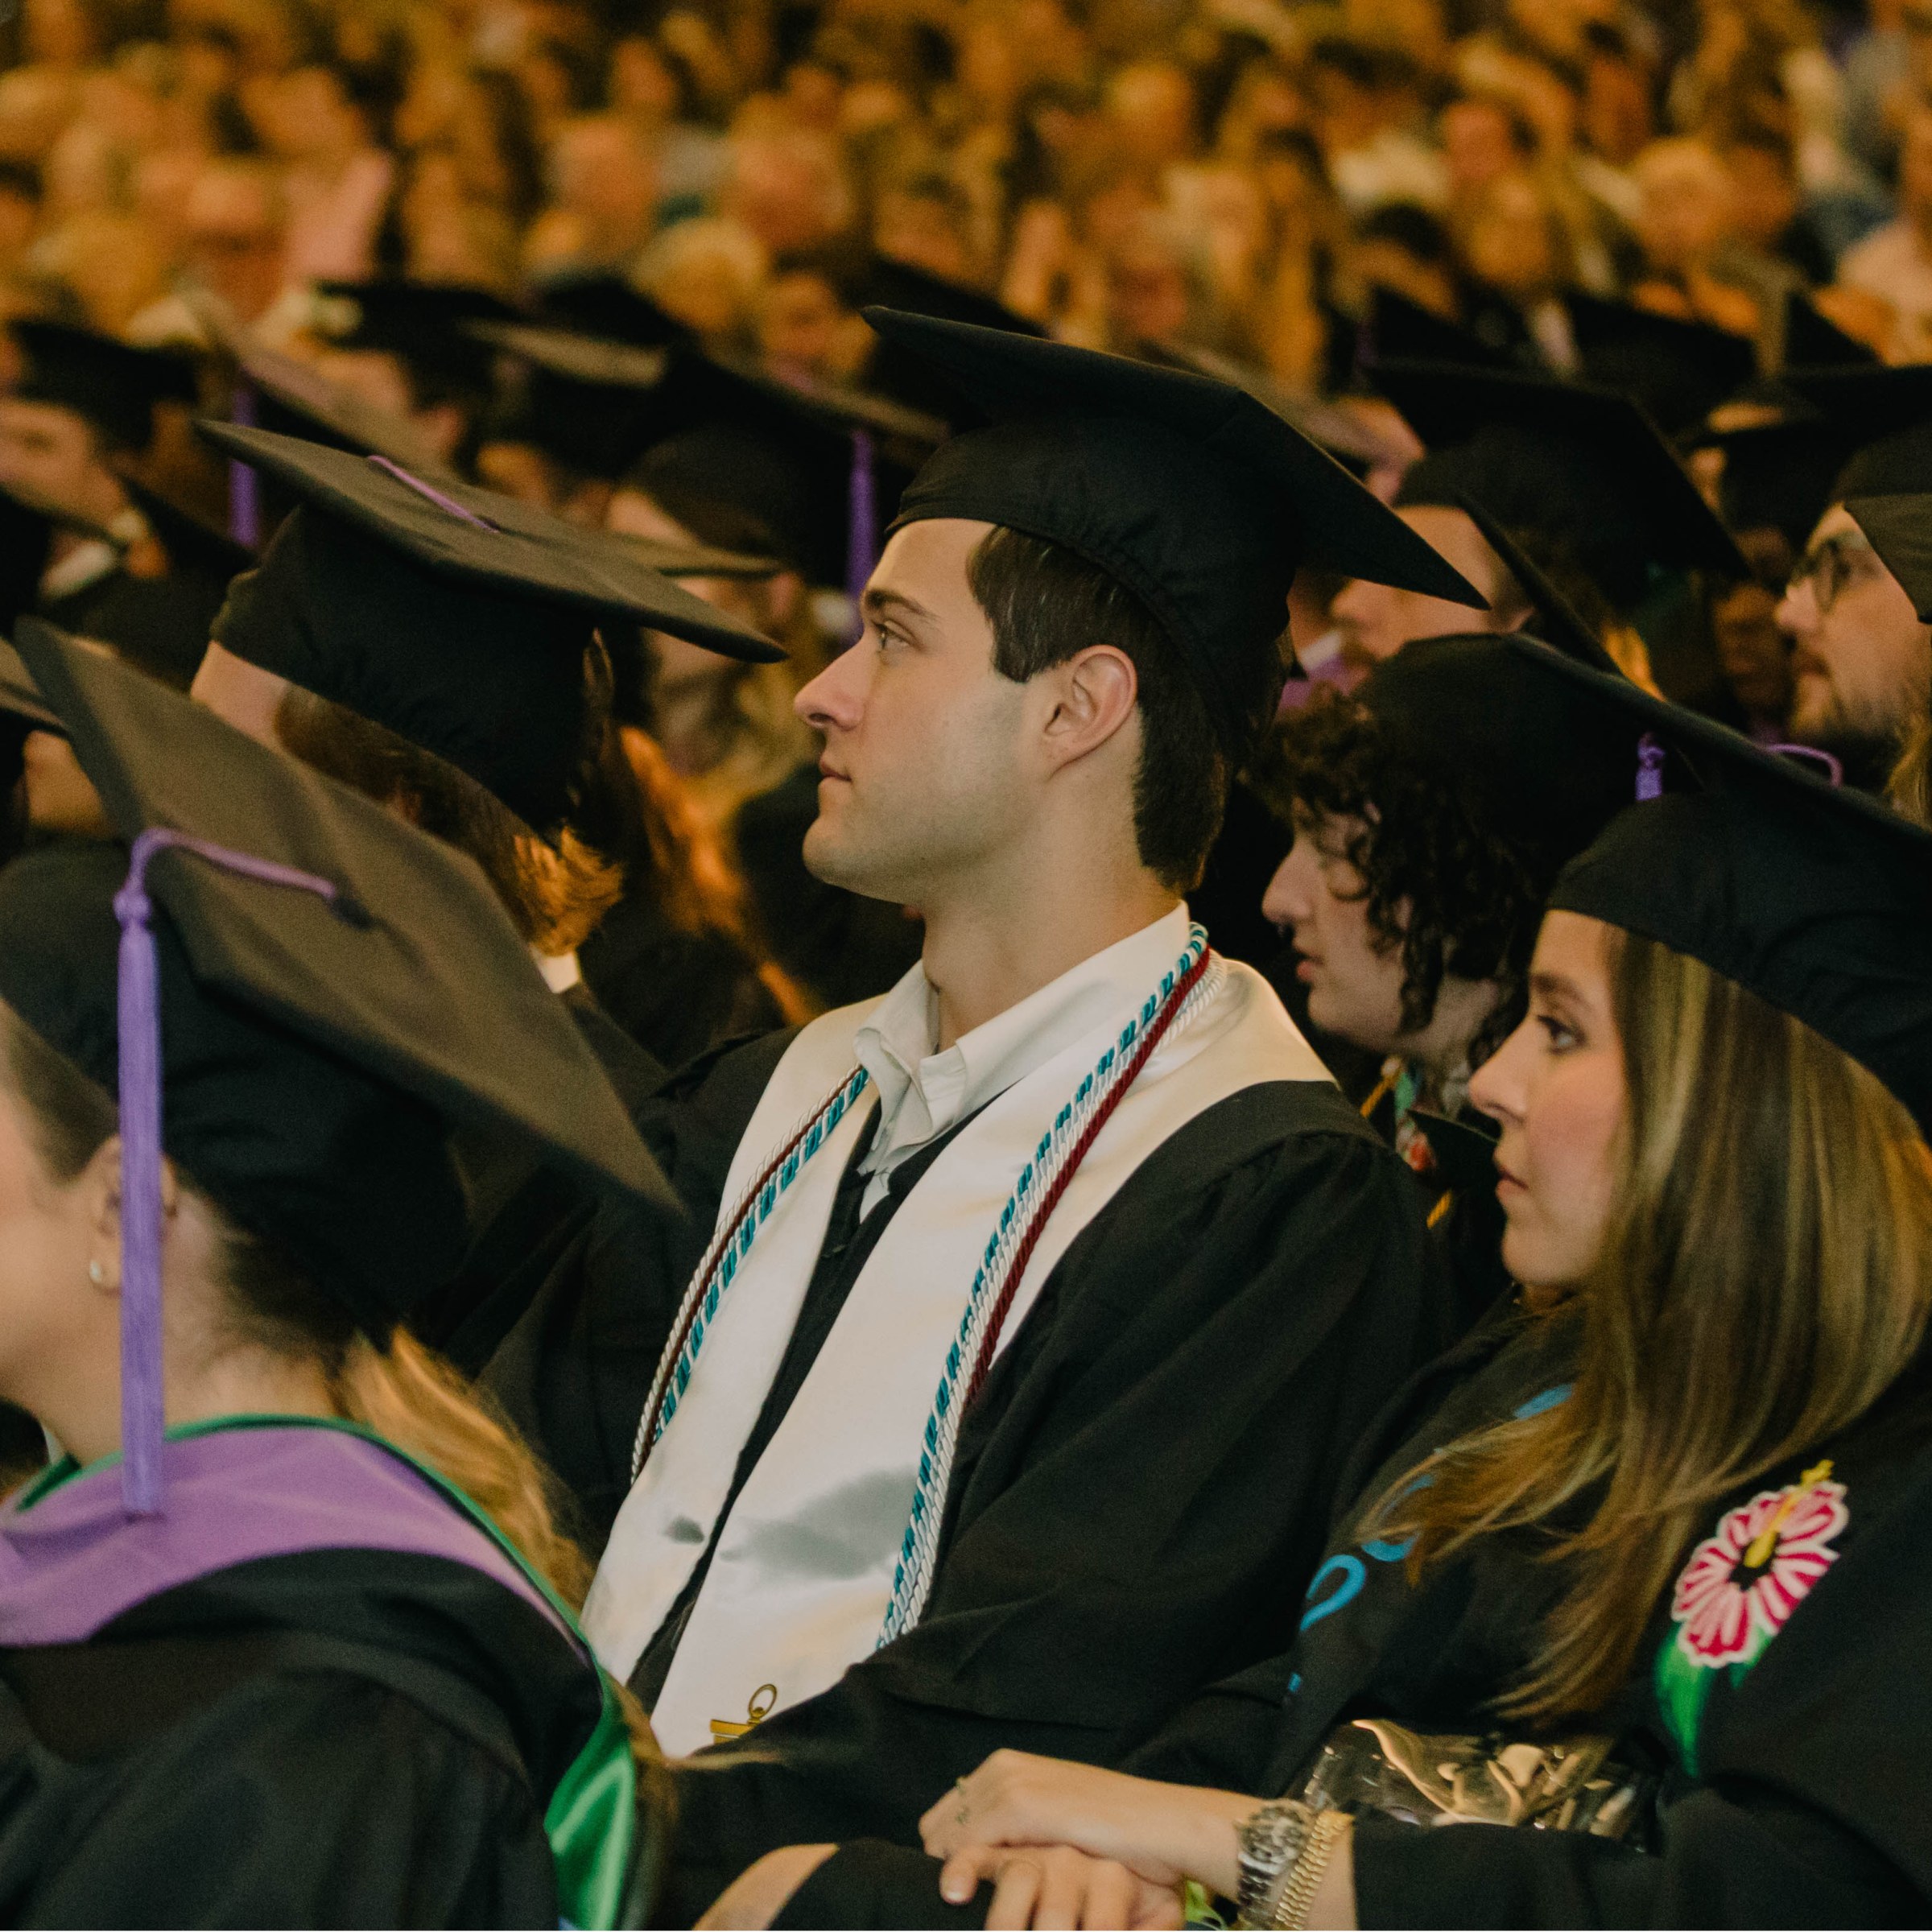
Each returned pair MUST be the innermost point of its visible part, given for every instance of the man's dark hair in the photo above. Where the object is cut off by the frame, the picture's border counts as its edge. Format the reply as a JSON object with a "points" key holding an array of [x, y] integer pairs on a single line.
{"points": [[1045, 604], [1474, 898]]}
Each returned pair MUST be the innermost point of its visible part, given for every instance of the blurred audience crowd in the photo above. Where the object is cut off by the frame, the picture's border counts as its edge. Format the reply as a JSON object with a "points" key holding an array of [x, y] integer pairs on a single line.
{"points": [[1232, 177]]}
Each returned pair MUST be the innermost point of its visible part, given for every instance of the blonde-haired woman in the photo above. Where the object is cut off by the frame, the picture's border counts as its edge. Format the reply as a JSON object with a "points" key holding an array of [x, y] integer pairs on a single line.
{"points": [[1645, 1564], [285, 1633]]}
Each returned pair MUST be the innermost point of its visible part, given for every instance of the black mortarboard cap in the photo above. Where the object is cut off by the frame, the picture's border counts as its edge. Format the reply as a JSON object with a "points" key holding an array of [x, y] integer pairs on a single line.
{"points": [[1885, 415], [743, 458], [885, 283], [1814, 341], [1900, 529], [729, 483], [1553, 617], [112, 385], [1343, 432], [456, 618], [276, 392], [600, 302], [1582, 464], [1402, 331], [590, 402], [1814, 897], [422, 325], [1544, 763], [1187, 491], [314, 1055], [1679, 371], [1779, 476]]}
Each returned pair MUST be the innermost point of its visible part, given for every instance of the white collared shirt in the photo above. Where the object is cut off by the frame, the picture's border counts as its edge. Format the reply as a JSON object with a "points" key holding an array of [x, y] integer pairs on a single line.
{"points": [[924, 1093], [87, 562], [560, 970]]}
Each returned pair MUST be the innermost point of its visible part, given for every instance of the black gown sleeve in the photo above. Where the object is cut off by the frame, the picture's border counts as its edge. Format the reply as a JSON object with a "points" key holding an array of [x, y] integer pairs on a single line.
{"points": [[1742, 1856], [313, 1799], [1144, 1484], [572, 1374]]}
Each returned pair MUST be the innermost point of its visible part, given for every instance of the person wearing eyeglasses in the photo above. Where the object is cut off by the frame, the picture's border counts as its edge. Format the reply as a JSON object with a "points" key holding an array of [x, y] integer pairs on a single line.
{"points": [[1862, 662]]}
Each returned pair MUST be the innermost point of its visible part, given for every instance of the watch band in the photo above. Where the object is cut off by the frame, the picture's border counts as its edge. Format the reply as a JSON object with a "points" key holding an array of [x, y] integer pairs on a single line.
{"points": [[1268, 1843], [1311, 1860]]}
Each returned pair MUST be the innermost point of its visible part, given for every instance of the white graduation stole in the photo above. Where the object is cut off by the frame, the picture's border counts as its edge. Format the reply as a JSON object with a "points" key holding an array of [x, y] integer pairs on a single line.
{"points": [[799, 1587]]}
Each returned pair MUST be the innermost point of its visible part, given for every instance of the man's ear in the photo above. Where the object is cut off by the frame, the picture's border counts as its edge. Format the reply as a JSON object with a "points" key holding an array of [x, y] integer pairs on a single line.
{"points": [[1095, 694]]}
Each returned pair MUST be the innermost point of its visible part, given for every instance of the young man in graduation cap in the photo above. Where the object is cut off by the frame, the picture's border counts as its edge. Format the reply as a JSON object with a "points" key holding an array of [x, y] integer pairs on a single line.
{"points": [[1043, 1296], [1862, 656], [84, 406], [1578, 473]]}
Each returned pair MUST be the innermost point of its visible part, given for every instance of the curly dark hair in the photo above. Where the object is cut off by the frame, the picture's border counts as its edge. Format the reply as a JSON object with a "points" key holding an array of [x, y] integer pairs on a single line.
{"points": [[1474, 898]]}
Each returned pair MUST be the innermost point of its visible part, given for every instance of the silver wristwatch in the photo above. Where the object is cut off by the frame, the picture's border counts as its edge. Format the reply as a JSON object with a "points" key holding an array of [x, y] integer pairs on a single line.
{"points": [[1269, 1842]]}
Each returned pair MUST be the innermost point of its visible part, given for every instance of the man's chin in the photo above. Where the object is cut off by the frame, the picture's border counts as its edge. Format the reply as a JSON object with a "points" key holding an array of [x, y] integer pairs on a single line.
{"points": [[832, 858]]}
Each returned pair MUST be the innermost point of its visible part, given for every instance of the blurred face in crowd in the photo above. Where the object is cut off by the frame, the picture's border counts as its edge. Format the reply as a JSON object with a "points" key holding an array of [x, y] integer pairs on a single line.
{"points": [[231, 236], [603, 174], [1764, 193], [789, 189], [930, 777], [1862, 661], [922, 230], [1557, 1087], [1752, 653], [1151, 108], [1479, 143], [1376, 621], [57, 454], [312, 120], [1510, 242], [1149, 296], [801, 323], [1685, 212]]}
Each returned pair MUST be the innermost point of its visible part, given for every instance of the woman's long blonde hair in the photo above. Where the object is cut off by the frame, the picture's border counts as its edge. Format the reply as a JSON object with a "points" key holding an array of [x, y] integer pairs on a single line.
{"points": [[1765, 1277]]}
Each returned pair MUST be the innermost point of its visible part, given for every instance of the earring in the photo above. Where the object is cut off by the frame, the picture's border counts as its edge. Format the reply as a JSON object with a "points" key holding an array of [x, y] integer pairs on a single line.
{"points": [[96, 1273]]}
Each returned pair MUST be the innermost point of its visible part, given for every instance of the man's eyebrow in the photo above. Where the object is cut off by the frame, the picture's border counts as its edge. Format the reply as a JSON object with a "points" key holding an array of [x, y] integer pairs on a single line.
{"points": [[881, 597]]}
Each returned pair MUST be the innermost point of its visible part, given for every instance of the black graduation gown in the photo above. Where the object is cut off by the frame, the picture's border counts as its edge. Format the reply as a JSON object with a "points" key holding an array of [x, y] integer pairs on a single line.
{"points": [[160, 624], [515, 1203], [838, 945], [1459, 1194], [1150, 1467], [1793, 1786], [340, 1737], [676, 994]]}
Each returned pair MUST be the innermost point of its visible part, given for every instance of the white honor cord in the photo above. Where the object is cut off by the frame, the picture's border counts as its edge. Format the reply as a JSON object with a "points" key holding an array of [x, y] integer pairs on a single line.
{"points": [[726, 1255], [912, 1581]]}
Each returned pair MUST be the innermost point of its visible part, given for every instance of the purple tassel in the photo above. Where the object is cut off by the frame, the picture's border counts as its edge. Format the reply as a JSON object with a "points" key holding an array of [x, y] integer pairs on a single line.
{"points": [[1649, 768], [862, 532], [244, 491], [434, 495], [139, 1019], [1834, 771]]}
